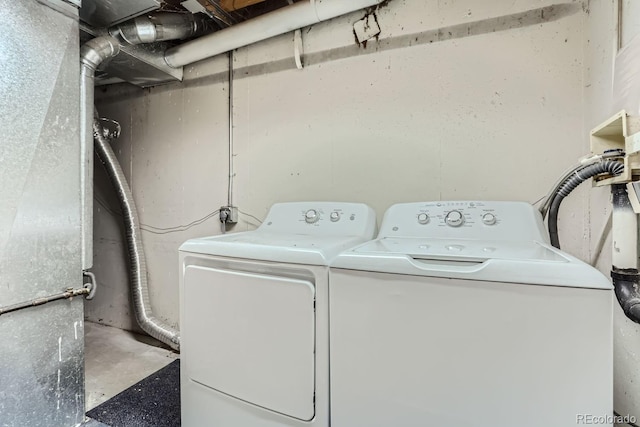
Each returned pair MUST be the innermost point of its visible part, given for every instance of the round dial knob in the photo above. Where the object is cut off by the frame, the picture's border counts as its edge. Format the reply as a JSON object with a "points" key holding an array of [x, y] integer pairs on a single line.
{"points": [[311, 216], [454, 219], [423, 218], [335, 216], [489, 219]]}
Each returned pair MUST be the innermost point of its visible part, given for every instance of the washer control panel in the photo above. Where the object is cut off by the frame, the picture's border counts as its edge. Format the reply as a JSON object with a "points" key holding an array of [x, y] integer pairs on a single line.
{"points": [[457, 214], [322, 218], [464, 219]]}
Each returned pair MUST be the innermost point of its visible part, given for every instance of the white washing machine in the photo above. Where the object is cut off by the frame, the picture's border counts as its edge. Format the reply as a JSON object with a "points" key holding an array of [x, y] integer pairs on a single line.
{"points": [[254, 317], [461, 314]]}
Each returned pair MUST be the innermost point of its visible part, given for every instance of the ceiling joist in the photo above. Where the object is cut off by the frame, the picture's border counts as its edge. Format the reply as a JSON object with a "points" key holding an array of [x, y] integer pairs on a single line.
{"points": [[231, 5]]}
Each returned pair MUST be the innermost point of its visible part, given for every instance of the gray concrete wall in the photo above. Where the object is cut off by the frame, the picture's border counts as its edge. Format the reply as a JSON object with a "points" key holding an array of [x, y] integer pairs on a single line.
{"points": [[457, 100]]}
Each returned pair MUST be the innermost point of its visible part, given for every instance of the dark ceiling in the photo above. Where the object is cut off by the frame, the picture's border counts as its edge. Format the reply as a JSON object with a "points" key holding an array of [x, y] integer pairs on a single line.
{"points": [[235, 16]]}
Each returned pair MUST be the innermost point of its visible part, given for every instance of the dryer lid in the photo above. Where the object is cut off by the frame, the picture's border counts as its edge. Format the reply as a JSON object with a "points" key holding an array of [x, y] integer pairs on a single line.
{"points": [[311, 233], [276, 247]]}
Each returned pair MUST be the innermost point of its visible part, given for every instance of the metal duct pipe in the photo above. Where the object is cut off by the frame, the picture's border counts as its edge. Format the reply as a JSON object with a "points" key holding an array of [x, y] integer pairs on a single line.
{"points": [[92, 54], [160, 27], [280, 21], [138, 267]]}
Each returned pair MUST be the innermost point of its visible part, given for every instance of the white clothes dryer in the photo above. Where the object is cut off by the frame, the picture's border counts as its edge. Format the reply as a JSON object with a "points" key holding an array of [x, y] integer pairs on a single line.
{"points": [[254, 317], [462, 314]]}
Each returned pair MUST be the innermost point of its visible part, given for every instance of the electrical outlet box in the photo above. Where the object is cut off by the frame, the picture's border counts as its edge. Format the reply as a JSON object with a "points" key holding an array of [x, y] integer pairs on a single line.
{"points": [[229, 214]]}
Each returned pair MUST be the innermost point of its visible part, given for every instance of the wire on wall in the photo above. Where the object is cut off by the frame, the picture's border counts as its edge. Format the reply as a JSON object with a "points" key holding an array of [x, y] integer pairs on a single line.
{"points": [[163, 230], [177, 228], [250, 216]]}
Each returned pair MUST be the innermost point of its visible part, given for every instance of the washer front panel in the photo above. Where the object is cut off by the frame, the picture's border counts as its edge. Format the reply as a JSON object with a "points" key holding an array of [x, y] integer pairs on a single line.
{"points": [[422, 351]]}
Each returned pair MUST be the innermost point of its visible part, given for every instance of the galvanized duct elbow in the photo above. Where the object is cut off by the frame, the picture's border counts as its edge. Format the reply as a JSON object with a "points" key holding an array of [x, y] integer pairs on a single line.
{"points": [[161, 27], [92, 54], [96, 51], [138, 268]]}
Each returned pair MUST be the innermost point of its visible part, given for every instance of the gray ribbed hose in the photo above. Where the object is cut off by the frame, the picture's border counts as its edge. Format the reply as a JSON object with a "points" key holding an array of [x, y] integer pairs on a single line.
{"points": [[570, 184], [138, 268]]}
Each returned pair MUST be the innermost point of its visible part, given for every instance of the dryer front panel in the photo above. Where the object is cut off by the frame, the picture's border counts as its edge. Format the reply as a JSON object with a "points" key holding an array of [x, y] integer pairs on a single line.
{"points": [[251, 336]]}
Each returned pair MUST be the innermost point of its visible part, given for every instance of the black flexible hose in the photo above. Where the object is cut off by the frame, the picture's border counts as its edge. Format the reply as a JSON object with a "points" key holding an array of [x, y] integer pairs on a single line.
{"points": [[570, 184]]}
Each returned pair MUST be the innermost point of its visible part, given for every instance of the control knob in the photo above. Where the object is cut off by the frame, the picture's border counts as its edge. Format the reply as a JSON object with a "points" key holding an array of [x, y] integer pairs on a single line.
{"points": [[311, 216], [423, 218], [489, 219], [335, 216], [454, 219]]}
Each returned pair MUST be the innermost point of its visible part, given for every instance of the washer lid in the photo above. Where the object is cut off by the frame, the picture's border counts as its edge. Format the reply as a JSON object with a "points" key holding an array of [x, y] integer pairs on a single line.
{"points": [[526, 262], [311, 233]]}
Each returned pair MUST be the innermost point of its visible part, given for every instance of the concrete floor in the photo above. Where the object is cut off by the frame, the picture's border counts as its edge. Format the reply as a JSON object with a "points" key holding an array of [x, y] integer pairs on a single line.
{"points": [[116, 359]]}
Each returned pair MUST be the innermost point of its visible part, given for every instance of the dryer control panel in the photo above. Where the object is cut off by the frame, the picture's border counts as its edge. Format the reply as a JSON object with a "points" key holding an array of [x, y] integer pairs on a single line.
{"points": [[465, 220], [320, 218]]}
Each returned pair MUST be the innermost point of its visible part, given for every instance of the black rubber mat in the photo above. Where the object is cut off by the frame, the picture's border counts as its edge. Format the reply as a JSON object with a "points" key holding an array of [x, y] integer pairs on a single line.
{"points": [[153, 402], [93, 423]]}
